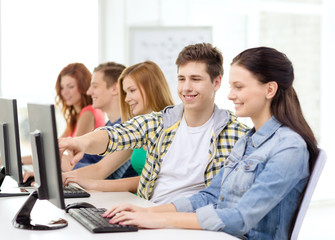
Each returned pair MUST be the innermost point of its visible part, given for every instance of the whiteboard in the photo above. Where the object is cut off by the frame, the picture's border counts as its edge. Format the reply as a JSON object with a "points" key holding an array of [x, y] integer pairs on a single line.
{"points": [[162, 46]]}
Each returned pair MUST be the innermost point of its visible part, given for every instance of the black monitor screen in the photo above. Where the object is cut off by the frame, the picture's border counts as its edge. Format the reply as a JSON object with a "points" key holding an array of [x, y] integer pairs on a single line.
{"points": [[46, 161], [9, 140]]}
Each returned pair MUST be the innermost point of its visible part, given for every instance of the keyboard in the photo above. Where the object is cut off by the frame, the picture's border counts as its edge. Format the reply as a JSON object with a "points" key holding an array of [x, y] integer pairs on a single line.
{"points": [[71, 191], [91, 219]]}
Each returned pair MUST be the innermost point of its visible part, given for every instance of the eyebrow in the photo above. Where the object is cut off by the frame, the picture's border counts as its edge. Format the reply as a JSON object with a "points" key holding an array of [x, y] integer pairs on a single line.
{"points": [[234, 82], [131, 86], [67, 84], [193, 75]]}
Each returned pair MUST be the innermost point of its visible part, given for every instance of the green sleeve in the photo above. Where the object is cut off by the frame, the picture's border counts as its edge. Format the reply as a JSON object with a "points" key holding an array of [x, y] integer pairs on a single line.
{"points": [[138, 160]]}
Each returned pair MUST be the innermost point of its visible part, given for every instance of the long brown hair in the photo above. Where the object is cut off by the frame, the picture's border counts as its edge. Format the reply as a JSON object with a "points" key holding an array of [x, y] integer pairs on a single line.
{"points": [[150, 79], [83, 78], [269, 65]]}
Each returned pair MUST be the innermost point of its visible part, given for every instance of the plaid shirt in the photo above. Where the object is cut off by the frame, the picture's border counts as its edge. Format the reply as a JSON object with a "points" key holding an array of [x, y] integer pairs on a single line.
{"points": [[155, 133]]}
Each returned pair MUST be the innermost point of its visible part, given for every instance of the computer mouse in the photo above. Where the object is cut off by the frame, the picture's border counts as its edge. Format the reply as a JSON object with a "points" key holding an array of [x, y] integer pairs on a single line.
{"points": [[78, 205], [28, 182]]}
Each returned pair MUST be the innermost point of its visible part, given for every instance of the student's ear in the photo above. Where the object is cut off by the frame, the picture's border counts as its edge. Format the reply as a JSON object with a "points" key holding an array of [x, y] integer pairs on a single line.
{"points": [[115, 89], [271, 89], [217, 82]]}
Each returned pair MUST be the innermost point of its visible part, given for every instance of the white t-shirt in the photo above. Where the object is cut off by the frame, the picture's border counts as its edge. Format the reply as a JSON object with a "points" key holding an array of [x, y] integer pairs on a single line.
{"points": [[183, 166]]}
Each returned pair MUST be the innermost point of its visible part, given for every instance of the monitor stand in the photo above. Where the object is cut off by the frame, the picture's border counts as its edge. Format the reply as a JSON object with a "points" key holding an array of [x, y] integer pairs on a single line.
{"points": [[23, 220]]}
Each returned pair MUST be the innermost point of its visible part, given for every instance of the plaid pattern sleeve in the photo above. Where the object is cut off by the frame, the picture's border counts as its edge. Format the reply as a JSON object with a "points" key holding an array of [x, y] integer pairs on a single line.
{"points": [[135, 133], [223, 145]]}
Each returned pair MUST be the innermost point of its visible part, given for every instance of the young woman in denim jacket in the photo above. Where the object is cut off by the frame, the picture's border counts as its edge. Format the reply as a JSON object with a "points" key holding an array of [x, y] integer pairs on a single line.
{"points": [[256, 194]]}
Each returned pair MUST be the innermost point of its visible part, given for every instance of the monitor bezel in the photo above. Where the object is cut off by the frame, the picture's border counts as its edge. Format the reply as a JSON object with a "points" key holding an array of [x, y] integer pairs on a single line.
{"points": [[42, 121], [11, 161], [47, 171]]}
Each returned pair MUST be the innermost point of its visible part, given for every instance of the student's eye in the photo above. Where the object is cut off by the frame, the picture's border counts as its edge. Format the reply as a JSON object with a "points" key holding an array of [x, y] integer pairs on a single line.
{"points": [[181, 79], [236, 87], [131, 90]]}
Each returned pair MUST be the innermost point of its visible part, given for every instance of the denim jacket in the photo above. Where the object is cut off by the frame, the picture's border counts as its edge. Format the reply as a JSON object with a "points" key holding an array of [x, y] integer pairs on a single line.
{"points": [[256, 194]]}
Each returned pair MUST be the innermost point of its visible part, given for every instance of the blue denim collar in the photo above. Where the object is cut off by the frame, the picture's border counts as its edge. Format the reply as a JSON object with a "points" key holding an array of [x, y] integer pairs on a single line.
{"points": [[266, 131]]}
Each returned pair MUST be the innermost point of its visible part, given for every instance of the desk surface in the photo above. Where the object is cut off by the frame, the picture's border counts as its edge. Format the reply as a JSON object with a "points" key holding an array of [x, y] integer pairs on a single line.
{"points": [[44, 210]]}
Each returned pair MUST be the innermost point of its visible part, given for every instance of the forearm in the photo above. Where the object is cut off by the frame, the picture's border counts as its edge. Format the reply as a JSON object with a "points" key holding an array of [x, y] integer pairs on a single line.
{"points": [[95, 142], [163, 208], [92, 171], [65, 134], [118, 185], [181, 220], [26, 160], [112, 162], [105, 166]]}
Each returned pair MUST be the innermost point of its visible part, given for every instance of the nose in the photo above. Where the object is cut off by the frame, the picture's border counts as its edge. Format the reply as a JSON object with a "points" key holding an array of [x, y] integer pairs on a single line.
{"points": [[127, 98], [231, 95], [187, 85], [89, 91], [64, 91]]}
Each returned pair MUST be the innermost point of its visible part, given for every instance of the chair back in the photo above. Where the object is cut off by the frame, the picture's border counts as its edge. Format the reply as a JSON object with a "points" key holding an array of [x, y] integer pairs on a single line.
{"points": [[306, 199]]}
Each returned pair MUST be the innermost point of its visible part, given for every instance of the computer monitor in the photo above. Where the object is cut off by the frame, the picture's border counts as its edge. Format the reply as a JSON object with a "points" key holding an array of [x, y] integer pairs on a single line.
{"points": [[46, 164], [11, 164]]}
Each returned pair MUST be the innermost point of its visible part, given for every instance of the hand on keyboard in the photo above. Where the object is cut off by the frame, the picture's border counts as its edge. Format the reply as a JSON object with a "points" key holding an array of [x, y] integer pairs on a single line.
{"points": [[92, 220]]}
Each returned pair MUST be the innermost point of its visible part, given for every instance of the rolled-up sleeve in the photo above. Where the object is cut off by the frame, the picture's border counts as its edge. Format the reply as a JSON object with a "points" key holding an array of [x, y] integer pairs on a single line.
{"points": [[208, 218], [183, 205]]}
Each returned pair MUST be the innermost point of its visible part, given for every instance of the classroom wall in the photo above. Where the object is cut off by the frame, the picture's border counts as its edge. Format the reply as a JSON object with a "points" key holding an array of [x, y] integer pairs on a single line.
{"points": [[294, 27]]}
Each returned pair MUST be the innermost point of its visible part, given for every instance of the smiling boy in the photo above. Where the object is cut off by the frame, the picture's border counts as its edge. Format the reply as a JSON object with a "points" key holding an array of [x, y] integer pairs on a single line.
{"points": [[105, 96], [186, 144]]}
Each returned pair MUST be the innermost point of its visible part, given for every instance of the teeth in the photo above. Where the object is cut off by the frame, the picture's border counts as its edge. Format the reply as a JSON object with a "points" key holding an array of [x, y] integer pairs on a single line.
{"points": [[189, 97]]}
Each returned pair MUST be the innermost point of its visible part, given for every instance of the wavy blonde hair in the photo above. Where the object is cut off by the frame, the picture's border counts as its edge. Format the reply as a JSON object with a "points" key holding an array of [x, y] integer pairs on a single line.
{"points": [[152, 84]]}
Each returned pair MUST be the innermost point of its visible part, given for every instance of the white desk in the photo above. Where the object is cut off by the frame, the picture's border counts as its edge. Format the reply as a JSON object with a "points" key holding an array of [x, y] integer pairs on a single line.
{"points": [[45, 210]]}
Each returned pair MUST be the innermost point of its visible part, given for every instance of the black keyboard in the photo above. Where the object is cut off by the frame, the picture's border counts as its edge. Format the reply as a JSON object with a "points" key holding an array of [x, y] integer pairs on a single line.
{"points": [[71, 191], [91, 219]]}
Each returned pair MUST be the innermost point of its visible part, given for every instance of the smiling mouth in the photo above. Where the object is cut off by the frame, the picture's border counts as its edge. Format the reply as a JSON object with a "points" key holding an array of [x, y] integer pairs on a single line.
{"points": [[189, 97]]}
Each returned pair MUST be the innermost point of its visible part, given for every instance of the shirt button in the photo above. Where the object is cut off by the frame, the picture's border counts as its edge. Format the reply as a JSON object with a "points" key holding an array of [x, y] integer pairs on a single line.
{"points": [[221, 198]]}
